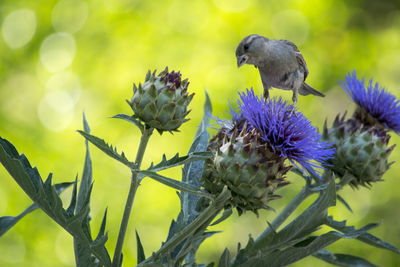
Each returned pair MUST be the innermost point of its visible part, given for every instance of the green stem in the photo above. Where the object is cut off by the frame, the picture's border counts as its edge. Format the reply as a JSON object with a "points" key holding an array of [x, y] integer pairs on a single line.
{"points": [[135, 181], [216, 206], [287, 211]]}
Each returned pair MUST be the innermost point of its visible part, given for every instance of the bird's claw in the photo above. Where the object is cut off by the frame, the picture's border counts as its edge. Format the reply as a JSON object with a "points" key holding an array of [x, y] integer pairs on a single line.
{"points": [[292, 112]]}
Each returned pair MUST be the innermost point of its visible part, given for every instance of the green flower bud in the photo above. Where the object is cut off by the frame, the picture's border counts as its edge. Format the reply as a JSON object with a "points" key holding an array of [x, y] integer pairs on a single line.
{"points": [[162, 101], [247, 166], [361, 151]]}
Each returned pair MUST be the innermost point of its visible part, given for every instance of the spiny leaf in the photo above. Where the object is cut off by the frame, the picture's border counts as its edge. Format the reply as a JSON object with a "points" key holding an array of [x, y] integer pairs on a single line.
{"points": [[191, 175], [176, 160], [102, 226], [108, 149], [342, 259], [225, 260], [305, 248], [87, 173], [131, 120], [175, 184], [7, 222], [193, 171], [225, 215], [72, 205], [344, 202], [45, 196], [306, 223], [140, 251], [365, 237], [83, 255], [191, 245]]}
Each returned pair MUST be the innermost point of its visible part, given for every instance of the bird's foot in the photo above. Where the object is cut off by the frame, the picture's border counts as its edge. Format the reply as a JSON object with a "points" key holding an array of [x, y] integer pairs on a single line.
{"points": [[292, 112]]}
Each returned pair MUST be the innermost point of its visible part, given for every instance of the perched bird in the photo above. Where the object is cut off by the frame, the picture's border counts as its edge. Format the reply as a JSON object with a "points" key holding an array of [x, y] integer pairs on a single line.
{"points": [[279, 62]]}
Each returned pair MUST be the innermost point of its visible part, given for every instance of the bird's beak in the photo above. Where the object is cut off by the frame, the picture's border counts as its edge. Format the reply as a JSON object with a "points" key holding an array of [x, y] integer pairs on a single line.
{"points": [[241, 60]]}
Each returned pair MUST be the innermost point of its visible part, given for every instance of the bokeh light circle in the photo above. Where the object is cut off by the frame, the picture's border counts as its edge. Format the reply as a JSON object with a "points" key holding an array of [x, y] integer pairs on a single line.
{"points": [[56, 110], [19, 27], [57, 51], [66, 81], [291, 25], [69, 15]]}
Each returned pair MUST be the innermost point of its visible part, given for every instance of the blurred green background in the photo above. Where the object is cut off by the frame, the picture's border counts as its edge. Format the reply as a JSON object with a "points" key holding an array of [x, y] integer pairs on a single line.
{"points": [[60, 58]]}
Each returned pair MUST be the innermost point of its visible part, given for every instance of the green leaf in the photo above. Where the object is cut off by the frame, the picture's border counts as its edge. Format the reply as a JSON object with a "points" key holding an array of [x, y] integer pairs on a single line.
{"points": [[7, 222], [108, 149], [140, 251], [344, 202], [193, 171], [45, 196], [293, 254], [191, 175], [365, 237], [306, 223], [175, 184], [305, 248], [191, 245], [342, 259], [225, 260], [314, 244], [102, 226], [83, 255], [131, 120], [176, 160], [72, 205], [87, 173], [225, 215]]}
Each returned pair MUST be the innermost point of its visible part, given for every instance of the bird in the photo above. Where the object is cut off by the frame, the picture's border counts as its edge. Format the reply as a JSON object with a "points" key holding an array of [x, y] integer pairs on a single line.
{"points": [[280, 63]]}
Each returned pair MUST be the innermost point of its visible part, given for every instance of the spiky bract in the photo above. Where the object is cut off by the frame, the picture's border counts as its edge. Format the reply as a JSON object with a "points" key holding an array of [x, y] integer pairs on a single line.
{"points": [[162, 101]]}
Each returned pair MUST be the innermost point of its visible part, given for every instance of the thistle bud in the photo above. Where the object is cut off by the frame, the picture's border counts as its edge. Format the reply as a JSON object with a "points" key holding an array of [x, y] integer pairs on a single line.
{"points": [[360, 152], [162, 101], [250, 169], [362, 141]]}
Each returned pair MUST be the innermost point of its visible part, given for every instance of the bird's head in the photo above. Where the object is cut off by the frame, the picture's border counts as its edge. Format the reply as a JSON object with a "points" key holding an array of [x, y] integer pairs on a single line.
{"points": [[250, 49]]}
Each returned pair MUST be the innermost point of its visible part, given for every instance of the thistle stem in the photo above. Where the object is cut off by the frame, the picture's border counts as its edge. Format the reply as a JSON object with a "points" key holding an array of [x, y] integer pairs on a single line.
{"points": [[135, 181], [286, 212], [205, 217]]}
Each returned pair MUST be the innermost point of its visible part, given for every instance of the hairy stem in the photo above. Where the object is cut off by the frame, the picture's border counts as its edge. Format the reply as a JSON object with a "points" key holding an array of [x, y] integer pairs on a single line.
{"points": [[216, 206], [135, 181]]}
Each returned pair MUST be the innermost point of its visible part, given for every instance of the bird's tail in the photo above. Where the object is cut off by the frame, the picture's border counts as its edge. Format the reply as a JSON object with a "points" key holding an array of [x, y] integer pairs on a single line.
{"points": [[305, 89]]}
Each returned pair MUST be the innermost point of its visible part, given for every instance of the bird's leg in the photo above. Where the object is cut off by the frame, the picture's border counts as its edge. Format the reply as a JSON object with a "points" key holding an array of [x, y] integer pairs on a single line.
{"points": [[294, 98], [266, 93]]}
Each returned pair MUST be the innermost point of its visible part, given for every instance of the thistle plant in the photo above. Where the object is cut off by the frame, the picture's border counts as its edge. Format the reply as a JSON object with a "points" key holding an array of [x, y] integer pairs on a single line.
{"points": [[362, 141], [253, 163], [242, 167]]}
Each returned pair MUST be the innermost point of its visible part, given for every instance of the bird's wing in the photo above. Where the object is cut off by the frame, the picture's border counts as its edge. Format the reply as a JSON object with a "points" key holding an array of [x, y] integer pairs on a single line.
{"points": [[299, 56]]}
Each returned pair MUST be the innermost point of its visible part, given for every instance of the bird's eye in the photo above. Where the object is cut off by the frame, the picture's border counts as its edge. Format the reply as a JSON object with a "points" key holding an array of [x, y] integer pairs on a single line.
{"points": [[246, 47]]}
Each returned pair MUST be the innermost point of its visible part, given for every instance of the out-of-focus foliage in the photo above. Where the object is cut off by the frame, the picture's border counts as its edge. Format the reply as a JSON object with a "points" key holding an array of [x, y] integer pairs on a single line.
{"points": [[59, 58]]}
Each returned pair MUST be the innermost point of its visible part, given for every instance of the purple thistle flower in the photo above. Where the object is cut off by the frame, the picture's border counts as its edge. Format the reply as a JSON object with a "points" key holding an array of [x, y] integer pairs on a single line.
{"points": [[375, 100], [289, 134]]}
